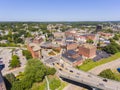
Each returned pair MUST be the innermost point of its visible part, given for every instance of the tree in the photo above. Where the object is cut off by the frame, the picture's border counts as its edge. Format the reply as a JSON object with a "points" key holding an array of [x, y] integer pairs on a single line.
{"points": [[35, 70], [54, 84], [107, 74], [27, 54], [116, 37], [14, 62], [10, 77], [90, 41], [51, 71], [9, 80], [110, 49], [18, 85], [19, 40]]}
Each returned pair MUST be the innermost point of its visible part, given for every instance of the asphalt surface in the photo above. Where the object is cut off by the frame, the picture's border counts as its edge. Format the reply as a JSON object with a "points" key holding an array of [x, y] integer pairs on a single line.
{"points": [[6, 54], [110, 65], [87, 78]]}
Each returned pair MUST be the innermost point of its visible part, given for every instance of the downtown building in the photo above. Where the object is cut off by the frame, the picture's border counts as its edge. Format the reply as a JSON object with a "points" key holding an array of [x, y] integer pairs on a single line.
{"points": [[87, 50]]}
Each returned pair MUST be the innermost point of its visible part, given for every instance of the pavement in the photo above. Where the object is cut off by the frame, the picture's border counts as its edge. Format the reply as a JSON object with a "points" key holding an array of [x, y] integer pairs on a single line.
{"points": [[73, 87], [110, 65], [87, 78], [6, 54]]}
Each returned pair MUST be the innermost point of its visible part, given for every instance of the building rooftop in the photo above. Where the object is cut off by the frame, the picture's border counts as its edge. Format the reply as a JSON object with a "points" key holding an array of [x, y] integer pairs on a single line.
{"points": [[71, 52], [100, 55], [89, 46], [34, 46]]}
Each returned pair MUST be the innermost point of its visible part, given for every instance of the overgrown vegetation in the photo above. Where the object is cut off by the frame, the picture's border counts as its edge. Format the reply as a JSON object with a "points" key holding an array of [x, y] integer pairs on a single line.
{"points": [[8, 45], [35, 72], [110, 75], [15, 62], [27, 54], [54, 83], [89, 64], [112, 48]]}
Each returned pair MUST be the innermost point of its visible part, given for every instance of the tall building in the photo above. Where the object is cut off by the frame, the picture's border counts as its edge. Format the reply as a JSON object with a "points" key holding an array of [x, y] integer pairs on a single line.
{"points": [[87, 50], [98, 28]]}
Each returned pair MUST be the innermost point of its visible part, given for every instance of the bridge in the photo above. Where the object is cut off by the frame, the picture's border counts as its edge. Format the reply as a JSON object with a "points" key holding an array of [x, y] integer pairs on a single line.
{"points": [[89, 79]]}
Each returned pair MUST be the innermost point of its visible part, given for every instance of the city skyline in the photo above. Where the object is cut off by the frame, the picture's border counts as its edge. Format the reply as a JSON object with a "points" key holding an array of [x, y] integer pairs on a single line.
{"points": [[59, 10]]}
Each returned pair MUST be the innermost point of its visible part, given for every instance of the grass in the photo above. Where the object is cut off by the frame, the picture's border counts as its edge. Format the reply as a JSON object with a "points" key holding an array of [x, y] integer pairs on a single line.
{"points": [[91, 64], [110, 74], [39, 86], [54, 82], [63, 85]]}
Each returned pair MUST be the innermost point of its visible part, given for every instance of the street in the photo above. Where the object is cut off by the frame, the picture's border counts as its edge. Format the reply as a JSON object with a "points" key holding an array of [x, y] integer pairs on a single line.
{"points": [[110, 65]]}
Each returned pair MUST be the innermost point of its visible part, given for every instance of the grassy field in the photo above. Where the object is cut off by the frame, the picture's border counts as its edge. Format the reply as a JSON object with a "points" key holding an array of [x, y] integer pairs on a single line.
{"points": [[63, 85], [89, 64], [39, 86], [54, 81]]}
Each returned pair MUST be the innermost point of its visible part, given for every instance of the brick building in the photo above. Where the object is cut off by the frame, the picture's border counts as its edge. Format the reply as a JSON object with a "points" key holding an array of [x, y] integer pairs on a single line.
{"points": [[58, 34], [71, 46], [35, 50], [72, 57], [87, 50], [38, 40]]}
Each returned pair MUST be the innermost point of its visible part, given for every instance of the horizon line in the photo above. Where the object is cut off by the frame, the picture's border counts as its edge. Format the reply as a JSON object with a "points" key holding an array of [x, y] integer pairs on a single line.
{"points": [[63, 21]]}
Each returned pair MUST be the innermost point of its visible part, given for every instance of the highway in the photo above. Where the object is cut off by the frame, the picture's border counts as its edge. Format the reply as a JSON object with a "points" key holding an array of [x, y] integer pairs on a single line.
{"points": [[110, 65], [86, 78]]}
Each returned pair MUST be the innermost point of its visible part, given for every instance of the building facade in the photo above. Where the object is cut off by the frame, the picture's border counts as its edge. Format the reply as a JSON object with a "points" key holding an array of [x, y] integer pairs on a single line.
{"points": [[87, 50], [35, 50]]}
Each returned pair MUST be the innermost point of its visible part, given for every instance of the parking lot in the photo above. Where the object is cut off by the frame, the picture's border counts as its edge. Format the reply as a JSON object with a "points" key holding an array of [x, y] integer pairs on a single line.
{"points": [[6, 54]]}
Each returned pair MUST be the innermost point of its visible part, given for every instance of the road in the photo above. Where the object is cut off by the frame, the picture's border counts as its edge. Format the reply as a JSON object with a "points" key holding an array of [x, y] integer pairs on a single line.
{"points": [[14, 71], [110, 65], [87, 78], [73, 87]]}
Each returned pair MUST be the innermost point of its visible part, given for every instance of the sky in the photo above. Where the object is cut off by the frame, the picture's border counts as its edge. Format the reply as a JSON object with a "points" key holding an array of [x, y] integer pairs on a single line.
{"points": [[59, 10]]}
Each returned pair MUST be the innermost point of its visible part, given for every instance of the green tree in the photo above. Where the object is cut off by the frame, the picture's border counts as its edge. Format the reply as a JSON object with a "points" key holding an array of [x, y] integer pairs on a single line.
{"points": [[14, 62], [18, 85], [107, 74], [27, 54], [116, 37], [54, 84], [112, 48], [51, 71], [35, 70], [10, 77], [9, 80], [90, 41]]}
